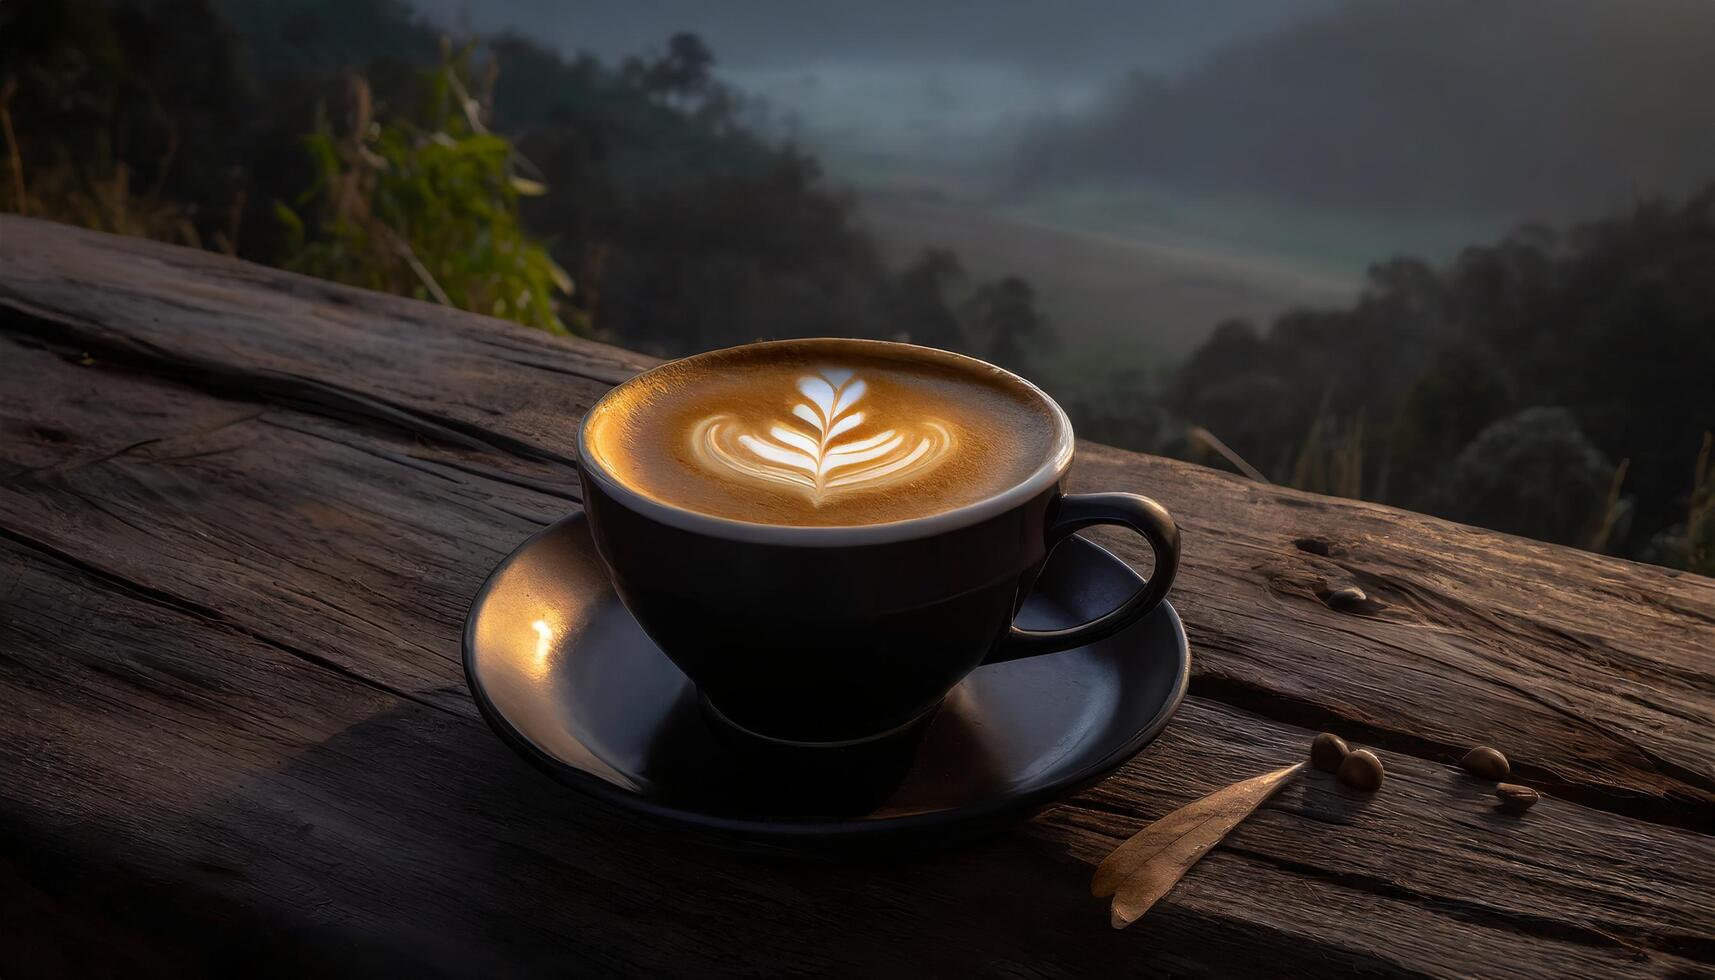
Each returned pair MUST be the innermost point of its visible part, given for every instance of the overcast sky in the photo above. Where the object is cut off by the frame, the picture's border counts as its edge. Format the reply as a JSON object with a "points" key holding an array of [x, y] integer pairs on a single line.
{"points": [[898, 91], [1076, 39]]}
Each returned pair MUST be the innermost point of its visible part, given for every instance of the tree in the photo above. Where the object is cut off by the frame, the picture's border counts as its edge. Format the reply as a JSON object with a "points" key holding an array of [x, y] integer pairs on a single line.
{"points": [[682, 73], [1003, 321], [1533, 473], [923, 312], [1460, 394], [685, 70], [1613, 321]]}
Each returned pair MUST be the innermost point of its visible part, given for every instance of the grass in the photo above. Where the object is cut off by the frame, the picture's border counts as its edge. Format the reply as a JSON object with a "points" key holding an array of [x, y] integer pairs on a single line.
{"points": [[102, 199], [1699, 540], [1614, 511], [1331, 460]]}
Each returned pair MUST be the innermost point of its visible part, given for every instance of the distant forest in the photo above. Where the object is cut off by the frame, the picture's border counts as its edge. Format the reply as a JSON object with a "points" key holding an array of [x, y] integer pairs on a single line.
{"points": [[1558, 384], [330, 135]]}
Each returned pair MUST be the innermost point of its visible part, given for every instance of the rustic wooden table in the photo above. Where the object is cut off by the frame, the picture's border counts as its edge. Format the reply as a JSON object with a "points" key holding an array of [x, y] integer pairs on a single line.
{"points": [[242, 514]]}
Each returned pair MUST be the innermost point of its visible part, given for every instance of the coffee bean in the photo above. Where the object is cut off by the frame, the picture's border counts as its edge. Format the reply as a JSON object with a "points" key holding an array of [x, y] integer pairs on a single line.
{"points": [[1347, 599], [1486, 762], [1516, 799], [1361, 770], [1328, 751]]}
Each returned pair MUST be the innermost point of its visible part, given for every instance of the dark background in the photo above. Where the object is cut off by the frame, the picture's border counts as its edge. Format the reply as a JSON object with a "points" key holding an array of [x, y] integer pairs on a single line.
{"points": [[1454, 256]]}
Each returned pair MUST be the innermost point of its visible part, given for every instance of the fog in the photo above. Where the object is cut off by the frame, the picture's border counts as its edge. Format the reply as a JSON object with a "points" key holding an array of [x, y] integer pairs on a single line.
{"points": [[898, 94], [1452, 255], [1537, 108], [1206, 159], [1084, 39]]}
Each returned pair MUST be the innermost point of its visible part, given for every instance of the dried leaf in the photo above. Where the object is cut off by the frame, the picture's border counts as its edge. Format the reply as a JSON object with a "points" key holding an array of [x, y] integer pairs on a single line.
{"points": [[1145, 867], [1149, 841], [1126, 858]]}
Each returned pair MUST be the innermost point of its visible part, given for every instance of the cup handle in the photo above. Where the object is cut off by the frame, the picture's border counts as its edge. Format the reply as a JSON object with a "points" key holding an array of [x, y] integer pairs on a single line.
{"points": [[1074, 513]]}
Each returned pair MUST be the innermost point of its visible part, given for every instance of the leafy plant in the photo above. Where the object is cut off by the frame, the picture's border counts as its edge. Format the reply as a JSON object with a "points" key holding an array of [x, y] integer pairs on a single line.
{"points": [[426, 207]]}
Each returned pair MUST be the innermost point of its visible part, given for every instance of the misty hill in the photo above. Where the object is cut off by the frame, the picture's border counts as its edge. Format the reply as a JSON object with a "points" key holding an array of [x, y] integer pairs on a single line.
{"points": [[1104, 292], [1538, 108]]}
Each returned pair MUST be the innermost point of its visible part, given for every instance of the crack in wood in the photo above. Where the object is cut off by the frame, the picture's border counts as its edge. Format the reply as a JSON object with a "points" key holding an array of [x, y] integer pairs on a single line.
{"points": [[288, 390], [1687, 814], [435, 467], [1638, 942], [192, 608], [76, 464]]}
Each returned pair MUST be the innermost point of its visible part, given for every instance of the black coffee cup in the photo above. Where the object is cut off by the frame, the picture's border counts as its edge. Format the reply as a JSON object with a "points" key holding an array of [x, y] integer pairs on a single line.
{"points": [[826, 636]]}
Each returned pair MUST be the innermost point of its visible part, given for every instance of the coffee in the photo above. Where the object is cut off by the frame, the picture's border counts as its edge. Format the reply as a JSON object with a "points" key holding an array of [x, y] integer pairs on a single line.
{"points": [[827, 535], [823, 433]]}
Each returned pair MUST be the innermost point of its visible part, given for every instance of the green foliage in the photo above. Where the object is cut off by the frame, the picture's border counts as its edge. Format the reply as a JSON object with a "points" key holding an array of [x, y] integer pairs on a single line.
{"points": [[650, 125], [1613, 321], [923, 304], [684, 227], [1002, 320], [935, 304], [1533, 473], [425, 207], [1461, 391], [116, 115], [286, 40], [735, 258], [1114, 405]]}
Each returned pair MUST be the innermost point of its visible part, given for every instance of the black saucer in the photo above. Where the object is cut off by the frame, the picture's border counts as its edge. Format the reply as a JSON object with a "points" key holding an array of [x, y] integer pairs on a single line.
{"points": [[568, 679]]}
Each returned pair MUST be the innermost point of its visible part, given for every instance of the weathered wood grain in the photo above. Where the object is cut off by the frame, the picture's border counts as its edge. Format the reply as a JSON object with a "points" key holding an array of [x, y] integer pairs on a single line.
{"points": [[1503, 640], [216, 800], [236, 547], [1595, 676]]}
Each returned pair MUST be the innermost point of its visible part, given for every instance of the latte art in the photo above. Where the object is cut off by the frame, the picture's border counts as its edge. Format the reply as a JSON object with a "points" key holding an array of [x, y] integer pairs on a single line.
{"points": [[823, 433], [826, 449]]}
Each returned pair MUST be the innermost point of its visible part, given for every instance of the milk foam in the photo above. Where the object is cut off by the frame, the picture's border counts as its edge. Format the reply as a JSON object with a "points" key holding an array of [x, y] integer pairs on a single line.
{"points": [[822, 433]]}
